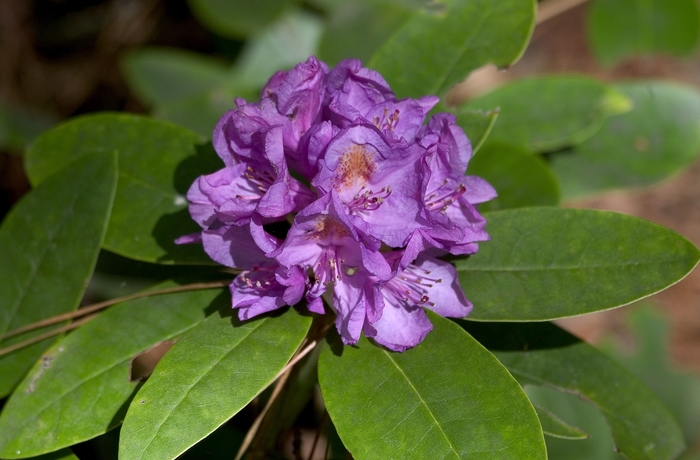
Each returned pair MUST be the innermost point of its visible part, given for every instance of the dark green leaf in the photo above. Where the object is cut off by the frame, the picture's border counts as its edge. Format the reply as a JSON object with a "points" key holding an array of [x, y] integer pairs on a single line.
{"points": [[659, 137], [356, 29], [599, 445], [542, 354], [88, 372], [202, 112], [209, 375], [20, 125], [162, 75], [446, 398], [623, 28], [282, 45], [238, 18], [550, 112], [158, 161], [446, 40], [556, 427], [650, 361], [520, 178], [547, 263], [49, 244], [477, 125]]}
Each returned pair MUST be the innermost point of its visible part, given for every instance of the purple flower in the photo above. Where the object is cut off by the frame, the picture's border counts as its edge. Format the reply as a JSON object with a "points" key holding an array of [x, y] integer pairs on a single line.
{"points": [[372, 193], [427, 283]]}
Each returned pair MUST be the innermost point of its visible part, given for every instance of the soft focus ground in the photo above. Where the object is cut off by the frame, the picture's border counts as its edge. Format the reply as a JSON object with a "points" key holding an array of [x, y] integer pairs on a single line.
{"points": [[558, 46], [62, 57]]}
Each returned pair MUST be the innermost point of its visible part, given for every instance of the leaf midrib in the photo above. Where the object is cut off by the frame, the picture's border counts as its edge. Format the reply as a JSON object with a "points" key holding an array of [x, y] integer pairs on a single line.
{"points": [[568, 267], [204, 374], [52, 237], [425, 404]]}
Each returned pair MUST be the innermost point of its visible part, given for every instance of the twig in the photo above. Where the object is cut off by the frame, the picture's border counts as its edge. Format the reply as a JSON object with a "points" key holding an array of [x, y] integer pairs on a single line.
{"points": [[39, 338], [318, 434], [101, 305], [550, 8], [281, 378]]}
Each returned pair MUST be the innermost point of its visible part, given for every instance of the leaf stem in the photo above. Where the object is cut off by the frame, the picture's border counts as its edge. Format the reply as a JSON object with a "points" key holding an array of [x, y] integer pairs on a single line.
{"points": [[101, 305], [550, 8], [46, 335], [281, 379], [318, 434]]}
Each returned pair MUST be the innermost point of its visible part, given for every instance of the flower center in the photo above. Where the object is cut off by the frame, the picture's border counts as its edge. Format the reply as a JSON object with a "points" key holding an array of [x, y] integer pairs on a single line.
{"points": [[355, 167], [443, 196], [258, 278], [368, 200], [258, 184], [412, 286], [387, 123], [327, 228]]}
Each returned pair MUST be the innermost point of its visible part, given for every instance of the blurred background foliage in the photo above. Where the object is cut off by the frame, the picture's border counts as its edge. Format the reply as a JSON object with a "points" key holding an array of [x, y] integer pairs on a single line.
{"points": [[631, 119]]}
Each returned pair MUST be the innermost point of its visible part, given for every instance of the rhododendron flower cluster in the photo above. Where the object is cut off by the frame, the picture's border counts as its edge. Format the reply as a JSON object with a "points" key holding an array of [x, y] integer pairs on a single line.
{"points": [[333, 186]]}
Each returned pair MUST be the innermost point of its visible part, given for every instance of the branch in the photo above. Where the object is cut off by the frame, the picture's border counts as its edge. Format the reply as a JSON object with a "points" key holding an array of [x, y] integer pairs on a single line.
{"points": [[101, 305], [281, 380], [550, 8]]}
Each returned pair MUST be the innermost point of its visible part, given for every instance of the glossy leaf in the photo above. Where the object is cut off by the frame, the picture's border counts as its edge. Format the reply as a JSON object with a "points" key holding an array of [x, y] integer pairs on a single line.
{"points": [[520, 178], [63, 454], [542, 354], [88, 372], [446, 398], [207, 377], [158, 161], [624, 28], [162, 75], [444, 41], [547, 263], [658, 138], [49, 244], [237, 18], [550, 112], [556, 427], [477, 125]]}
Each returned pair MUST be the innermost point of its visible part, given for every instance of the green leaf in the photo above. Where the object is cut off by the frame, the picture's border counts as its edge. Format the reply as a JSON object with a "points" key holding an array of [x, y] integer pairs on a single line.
{"points": [[650, 361], [357, 29], [556, 427], [21, 125], [446, 40], [624, 28], [49, 244], [520, 178], [599, 445], [283, 44], [209, 375], [63, 454], [548, 263], [658, 138], [73, 377], [158, 161], [162, 75], [550, 112], [237, 18], [477, 125], [202, 112], [446, 398], [542, 354]]}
